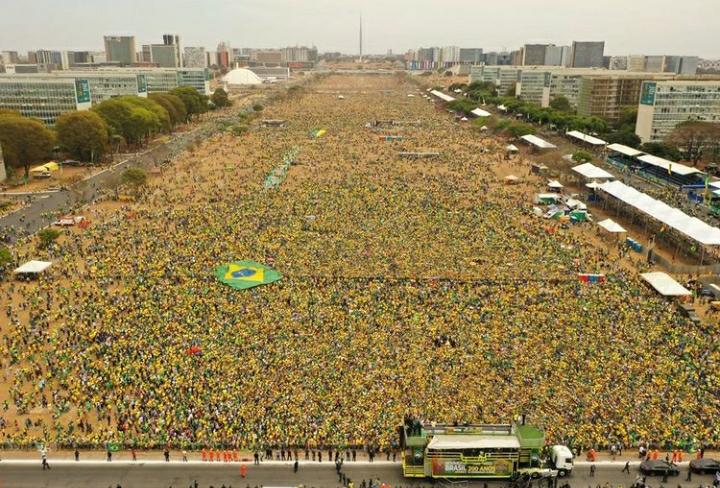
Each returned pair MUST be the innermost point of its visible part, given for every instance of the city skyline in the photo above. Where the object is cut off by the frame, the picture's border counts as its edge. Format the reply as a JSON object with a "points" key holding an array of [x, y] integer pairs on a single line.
{"points": [[399, 25]]}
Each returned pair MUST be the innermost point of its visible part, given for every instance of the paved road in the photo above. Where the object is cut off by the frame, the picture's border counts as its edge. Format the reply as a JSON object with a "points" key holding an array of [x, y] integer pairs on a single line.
{"points": [[69, 474]]}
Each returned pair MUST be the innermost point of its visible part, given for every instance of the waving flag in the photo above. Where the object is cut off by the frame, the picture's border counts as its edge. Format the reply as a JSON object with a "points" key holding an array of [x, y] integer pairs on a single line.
{"points": [[246, 274]]}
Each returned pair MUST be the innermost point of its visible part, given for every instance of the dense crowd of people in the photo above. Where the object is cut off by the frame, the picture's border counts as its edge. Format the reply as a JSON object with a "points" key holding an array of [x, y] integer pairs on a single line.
{"points": [[410, 287]]}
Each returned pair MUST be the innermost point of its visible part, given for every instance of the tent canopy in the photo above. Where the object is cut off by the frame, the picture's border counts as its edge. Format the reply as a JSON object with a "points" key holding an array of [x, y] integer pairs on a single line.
{"points": [[611, 226], [512, 148], [537, 142], [624, 150], [665, 284], [442, 96], [691, 227], [586, 138], [455, 442], [478, 112], [555, 184], [33, 267], [677, 168], [592, 172]]}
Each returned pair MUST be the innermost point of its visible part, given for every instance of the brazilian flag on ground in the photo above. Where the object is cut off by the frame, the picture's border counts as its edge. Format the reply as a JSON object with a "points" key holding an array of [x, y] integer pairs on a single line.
{"points": [[246, 274]]}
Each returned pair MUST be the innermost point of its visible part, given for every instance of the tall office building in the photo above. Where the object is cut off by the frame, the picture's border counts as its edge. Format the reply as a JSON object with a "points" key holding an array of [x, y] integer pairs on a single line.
{"points": [[557, 55], [195, 57], [587, 54], [618, 63], [471, 55], [9, 57], [51, 60], [44, 97], [665, 104], [120, 49], [533, 54], [167, 54], [636, 63]]}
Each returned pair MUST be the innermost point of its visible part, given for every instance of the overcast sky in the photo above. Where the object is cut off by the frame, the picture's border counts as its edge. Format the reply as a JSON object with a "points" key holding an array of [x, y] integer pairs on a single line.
{"points": [[689, 27]]}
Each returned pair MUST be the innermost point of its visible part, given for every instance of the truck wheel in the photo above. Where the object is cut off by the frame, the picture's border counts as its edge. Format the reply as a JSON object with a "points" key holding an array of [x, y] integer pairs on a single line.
{"points": [[562, 473]]}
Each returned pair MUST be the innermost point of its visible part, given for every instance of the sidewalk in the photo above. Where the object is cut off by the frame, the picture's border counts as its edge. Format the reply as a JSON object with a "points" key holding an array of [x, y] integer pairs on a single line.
{"points": [[195, 457]]}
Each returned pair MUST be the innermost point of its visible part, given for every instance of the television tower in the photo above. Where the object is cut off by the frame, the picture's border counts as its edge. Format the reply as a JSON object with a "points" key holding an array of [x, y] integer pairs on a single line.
{"points": [[361, 52]]}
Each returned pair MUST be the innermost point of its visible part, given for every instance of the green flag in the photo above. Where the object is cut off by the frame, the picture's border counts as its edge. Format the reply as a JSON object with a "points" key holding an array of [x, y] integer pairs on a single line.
{"points": [[246, 274]]}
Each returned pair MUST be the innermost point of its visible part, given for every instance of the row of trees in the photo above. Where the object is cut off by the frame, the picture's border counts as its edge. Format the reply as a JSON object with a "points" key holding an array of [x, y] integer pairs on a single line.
{"points": [[88, 135], [690, 141]]}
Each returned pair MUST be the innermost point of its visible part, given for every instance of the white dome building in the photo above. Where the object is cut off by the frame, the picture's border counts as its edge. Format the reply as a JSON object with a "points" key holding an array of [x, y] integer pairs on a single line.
{"points": [[241, 76]]}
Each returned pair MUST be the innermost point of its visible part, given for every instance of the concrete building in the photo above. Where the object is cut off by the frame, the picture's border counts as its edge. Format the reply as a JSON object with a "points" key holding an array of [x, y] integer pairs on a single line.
{"points": [[533, 54], [534, 86], [449, 56], [224, 56], [145, 54], [195, 57], [267, 74], [9, 57], [557, 55], [78, 57], [51, 60], [120, 49], [587, 54], [471, 55], [165, 79], [665, 104], [503, 77], [107, 84], [636, 63], [618, 63], [44, 97], [22, 69], [654, 64]]}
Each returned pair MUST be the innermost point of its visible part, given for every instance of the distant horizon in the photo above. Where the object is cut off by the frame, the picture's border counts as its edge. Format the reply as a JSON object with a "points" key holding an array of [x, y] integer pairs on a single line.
{"points": [[646, 27]]}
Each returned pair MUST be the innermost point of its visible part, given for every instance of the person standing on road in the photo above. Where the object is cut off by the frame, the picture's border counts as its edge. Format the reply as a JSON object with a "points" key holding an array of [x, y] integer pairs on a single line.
{"points": [[592, 470], [134, 454], [626, 469], [166, 453], [45, 464], [77, 455], [295, 466], [109, 455], [689, 476]]}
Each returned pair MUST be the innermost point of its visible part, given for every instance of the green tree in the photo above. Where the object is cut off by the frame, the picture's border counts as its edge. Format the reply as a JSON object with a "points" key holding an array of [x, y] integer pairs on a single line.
{"points": [[195, 103], [511, 92], [172, 105], [694, 137], [25, 141], [582, 156], [47, 236], [624, 137], [134, 177], [161, 120], [220, 98], [561, 104], [661, 150], [6, 257], [84, 135]]}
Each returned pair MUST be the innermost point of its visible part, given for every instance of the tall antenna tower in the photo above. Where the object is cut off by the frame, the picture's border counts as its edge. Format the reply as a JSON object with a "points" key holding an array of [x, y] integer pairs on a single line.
{"points": [[361, 45]]}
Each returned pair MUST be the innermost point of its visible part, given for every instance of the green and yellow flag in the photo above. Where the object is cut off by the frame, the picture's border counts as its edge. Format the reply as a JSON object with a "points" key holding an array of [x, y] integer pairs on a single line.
{"points": [[246, 274]]}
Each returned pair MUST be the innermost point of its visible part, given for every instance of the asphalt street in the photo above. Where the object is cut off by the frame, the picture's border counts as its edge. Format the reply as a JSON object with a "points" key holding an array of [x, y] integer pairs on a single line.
{"points": [[68, 474]]}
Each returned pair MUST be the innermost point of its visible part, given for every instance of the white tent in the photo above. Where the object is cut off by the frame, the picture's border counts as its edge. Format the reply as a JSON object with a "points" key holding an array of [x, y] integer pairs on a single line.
{"points": [[665, 285], [537, 142], [624, 150], [692, 227], [241, 76], [611, 226], [478, 112], [592, 172], [33, 267], [667, 165], [555, 184], [512, 148], [575, 204], [593, 185], [442, 96], [594, 141]]}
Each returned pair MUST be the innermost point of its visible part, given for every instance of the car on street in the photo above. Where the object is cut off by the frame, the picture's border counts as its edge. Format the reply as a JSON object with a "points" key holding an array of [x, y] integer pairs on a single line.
{"points": [[705, 466], [658, 467]]}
